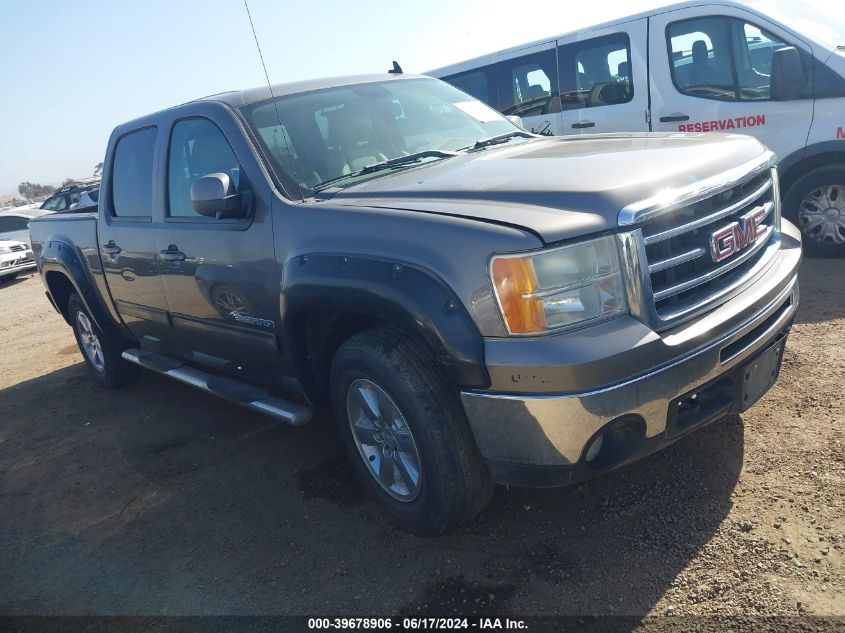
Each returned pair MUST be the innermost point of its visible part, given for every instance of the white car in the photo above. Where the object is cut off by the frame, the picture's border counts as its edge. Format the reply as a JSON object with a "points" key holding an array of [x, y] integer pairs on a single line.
{"points": [[15, 249]]}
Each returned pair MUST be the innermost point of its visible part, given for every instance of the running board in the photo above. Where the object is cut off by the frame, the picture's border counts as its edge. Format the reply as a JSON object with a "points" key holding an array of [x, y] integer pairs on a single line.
{"points": [[227, 388]]}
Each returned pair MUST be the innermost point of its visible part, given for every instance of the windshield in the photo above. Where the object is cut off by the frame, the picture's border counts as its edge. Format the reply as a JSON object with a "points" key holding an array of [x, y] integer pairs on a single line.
{"points": [[328, 134]]}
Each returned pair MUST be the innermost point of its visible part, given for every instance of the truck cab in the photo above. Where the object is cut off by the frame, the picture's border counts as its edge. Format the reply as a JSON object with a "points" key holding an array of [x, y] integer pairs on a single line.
{"points": [[770, 69]]}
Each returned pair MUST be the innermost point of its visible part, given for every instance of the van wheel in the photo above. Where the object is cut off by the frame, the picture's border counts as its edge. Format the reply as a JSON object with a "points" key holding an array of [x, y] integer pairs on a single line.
{"points": [[406, 434], [816, 203], [102, 352]]}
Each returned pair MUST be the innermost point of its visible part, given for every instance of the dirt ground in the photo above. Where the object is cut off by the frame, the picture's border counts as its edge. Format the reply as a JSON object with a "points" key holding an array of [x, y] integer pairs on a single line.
{"points": [[157, 499]]}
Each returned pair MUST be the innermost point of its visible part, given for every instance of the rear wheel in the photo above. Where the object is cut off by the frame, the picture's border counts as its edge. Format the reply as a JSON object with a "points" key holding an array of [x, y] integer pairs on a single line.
{"points": [[101, 351], [816, 203], [405, 433]]}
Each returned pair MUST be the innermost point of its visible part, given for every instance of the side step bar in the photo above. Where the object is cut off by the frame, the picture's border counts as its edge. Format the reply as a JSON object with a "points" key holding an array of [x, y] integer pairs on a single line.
{"points": [[227, 388]]}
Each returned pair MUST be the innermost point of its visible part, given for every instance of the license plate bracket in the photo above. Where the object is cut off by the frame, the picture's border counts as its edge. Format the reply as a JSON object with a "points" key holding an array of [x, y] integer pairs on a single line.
{"points": [[759, 374]]}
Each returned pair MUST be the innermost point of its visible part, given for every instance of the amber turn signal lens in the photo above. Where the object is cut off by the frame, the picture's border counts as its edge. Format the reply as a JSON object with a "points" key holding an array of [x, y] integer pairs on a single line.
{"points": [[514, 278]]}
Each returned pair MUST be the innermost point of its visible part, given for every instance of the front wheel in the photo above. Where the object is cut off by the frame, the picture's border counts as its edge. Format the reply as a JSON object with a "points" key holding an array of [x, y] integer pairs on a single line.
{"points": [[101, 351], [406, 434], [816, 203]]}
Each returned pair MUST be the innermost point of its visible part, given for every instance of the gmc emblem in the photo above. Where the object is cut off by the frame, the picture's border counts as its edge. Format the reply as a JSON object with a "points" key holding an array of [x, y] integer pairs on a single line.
{"points": [[735, 236]]}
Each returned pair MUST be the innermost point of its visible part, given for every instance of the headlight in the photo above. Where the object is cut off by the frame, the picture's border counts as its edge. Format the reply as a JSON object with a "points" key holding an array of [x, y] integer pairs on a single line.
{"points": [[5, 249], [559, 288]]}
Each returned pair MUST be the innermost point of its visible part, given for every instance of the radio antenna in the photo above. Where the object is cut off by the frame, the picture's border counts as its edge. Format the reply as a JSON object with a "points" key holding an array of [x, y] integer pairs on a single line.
{"points": [[275, 105]]}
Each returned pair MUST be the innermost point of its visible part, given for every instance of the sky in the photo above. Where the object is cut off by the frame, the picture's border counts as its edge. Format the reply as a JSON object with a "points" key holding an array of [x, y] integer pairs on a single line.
{"points": [[71, 71]]}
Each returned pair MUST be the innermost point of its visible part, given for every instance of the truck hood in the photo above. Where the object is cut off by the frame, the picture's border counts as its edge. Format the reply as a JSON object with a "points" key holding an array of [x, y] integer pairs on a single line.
{"points": [[557, 187]]}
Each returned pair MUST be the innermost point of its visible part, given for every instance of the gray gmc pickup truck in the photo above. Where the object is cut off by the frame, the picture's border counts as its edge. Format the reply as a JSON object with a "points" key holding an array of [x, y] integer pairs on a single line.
{"points": [[476, 304]]}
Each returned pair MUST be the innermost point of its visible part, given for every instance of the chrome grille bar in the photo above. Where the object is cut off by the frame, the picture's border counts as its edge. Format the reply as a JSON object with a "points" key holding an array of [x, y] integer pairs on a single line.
{"points": [[713, 217], [671, 291], [663, 264]]}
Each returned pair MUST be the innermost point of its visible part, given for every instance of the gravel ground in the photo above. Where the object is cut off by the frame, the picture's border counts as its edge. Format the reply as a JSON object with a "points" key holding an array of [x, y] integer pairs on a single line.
{"points": [[157, 499]]}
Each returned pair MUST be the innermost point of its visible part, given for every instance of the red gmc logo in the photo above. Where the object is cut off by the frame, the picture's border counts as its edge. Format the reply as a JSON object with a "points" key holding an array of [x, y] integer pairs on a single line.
{"points": [[735, 236]]}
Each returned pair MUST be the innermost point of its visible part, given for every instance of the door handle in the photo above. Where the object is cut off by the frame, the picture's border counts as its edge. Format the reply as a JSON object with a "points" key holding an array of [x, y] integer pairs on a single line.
{"points": [[110, 249], [582, 124], [172, 254], [674, 117]]}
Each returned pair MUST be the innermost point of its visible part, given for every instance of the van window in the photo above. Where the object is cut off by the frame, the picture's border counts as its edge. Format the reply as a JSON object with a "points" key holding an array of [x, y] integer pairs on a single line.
{"points": [[132, 174], [738, 60], [197, 148], [754, 49], [700, 56], [596, 72], [528, 84], [480, 83], [826, 83]]}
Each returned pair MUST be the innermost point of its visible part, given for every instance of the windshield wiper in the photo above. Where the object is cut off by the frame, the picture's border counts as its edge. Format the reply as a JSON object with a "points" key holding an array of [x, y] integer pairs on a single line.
{"points": [[410, 158], [388, 164], [500, 138]]}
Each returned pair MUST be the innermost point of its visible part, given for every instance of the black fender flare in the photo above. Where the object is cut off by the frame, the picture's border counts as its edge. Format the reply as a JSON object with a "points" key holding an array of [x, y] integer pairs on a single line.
{"points": [[388, 291], [62, 257]]}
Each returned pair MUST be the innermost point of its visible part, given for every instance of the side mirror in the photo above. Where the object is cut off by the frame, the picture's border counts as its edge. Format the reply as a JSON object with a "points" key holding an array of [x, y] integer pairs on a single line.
{"points": [[787, 79], [214, 196], [516, 120]]}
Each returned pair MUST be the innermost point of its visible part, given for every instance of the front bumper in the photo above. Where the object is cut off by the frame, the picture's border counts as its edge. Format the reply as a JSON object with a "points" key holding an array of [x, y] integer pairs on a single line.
{"points": [[14, 263], [540, 438]]}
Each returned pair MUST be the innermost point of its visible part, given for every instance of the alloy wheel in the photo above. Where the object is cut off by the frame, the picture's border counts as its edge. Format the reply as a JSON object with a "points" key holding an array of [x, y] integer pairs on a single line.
{"points": [[90, 342], [384, 440]]}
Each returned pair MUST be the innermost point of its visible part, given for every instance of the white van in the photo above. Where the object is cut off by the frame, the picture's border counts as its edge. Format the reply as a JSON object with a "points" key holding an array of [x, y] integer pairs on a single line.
{"points": [[772, 69]]}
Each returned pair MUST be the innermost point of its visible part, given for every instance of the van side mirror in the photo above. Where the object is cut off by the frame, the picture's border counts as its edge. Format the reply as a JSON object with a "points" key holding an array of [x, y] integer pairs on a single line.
{"points": [[787, 78], [214, 196]]}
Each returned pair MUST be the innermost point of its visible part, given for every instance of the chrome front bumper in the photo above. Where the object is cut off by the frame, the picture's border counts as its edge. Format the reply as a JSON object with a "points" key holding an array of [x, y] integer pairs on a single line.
{"points": [[13, 265], [552, 430]]}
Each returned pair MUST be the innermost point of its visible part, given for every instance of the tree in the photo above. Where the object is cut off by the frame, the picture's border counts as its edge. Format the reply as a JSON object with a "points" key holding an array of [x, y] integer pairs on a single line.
{"points": [[98, 170], [31, 190]]}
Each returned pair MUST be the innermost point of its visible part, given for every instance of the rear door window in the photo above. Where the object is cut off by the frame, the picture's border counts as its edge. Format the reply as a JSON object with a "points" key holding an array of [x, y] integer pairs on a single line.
{"points": [[527, 85], [596, 72], [132, 174]]}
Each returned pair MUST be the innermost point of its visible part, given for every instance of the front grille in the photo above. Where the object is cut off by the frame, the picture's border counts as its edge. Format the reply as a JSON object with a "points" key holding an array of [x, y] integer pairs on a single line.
{"points": [[685, 276], [17, 247]]}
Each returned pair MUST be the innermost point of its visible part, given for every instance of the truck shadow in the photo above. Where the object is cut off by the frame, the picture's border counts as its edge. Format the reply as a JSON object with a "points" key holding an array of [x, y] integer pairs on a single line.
{"points": [[159, 499]]}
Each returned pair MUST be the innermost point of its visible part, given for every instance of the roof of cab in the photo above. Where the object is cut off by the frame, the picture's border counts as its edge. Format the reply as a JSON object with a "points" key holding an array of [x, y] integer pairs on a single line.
{"points": [[239, 98]]}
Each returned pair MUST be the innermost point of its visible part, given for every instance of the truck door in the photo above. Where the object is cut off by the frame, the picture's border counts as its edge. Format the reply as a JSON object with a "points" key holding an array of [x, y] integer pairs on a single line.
{"points": [[219, 275], [528, 87], [711, 73], [126, 236], [604, 80]]}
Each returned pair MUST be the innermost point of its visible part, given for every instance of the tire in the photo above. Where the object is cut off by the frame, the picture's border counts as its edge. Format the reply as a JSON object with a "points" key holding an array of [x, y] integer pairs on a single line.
{"points": [[453, 483], [101, 351], [824, 240]]}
